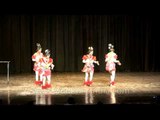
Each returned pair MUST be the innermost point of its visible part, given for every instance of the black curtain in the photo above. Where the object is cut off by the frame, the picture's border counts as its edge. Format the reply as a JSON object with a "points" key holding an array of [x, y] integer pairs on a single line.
{"points": [[68, 37]]}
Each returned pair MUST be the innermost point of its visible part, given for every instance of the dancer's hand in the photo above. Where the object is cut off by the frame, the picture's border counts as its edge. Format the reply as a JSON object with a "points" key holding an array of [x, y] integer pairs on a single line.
{"points": [[52, 66], [97, 62], [119, 63]]}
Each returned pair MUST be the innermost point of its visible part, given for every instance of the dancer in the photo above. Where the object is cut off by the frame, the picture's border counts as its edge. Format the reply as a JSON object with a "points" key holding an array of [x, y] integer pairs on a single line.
{"points": [[36, 57], [46, 64], [111, 59], [88, 68]]}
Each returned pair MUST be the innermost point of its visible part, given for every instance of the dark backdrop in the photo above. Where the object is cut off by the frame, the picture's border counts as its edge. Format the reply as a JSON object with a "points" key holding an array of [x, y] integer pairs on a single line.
{"points": [[69, 35]]}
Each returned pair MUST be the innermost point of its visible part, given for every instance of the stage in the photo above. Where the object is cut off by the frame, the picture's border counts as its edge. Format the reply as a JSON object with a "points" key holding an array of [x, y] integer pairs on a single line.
{"points": [[67, 88]]}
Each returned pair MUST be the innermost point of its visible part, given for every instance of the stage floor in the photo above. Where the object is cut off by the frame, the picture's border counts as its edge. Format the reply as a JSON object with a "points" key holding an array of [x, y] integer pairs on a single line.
{"points": [[130, 88]]}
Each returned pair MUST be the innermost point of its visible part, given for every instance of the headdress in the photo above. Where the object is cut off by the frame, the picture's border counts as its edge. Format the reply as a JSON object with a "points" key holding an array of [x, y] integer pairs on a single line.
{"points": [[110, 46], [90, 49], [38, 46], [47, 52]]}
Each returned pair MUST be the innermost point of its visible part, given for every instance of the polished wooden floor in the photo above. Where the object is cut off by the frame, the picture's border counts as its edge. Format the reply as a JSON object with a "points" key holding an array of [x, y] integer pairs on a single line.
{"points": [[68, 88]]}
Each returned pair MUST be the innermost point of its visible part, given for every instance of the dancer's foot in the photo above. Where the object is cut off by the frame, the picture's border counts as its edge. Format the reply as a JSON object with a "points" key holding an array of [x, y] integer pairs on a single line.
{"points": [[38, 82], [90, 83], [44, 87], [48, 85], [112, 83], [85, 83]]}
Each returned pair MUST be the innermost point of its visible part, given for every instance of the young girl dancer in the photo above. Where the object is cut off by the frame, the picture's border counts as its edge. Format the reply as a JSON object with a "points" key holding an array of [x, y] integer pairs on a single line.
{"points": [[88, 68], [46, 64], [36, 58], [111, 59]]}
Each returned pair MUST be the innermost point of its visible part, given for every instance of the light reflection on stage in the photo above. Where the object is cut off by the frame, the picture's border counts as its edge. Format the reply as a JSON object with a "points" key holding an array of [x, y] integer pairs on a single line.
{"points": [[43, 99], [89, 97], [130, 88], [112, 96]]}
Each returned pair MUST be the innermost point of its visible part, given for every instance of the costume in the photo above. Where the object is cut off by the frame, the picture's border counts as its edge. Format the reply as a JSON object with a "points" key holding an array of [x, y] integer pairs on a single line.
{"points": [[36, 58], [88, 68], [46, 64], [111, 59]]}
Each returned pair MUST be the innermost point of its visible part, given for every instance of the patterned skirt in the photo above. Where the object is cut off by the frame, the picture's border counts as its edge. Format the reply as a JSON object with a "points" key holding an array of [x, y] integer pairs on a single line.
{"points": [[110, 66], [88, 68]]}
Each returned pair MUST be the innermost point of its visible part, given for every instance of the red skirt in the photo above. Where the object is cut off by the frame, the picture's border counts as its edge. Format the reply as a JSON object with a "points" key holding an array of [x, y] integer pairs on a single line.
{"points": [[46, 72]]}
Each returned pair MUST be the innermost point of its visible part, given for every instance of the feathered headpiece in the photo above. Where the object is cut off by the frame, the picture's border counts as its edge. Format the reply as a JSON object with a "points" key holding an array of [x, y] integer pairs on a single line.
{"points": [[47, 52], [110, 46], [38, 46], [90, 49]]}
